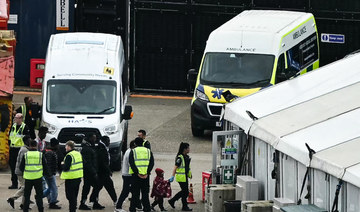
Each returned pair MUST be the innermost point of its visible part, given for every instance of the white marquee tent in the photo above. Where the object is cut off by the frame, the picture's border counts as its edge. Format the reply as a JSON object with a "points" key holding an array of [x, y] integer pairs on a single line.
{"points": [[322, 109]]}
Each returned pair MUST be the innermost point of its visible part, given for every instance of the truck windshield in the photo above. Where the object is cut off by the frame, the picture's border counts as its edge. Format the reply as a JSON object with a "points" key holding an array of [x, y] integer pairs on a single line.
{"points": [[237, 69], [81, 97]]}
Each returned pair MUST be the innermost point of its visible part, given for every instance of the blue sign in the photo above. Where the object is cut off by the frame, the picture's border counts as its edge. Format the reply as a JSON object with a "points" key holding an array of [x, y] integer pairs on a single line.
{"points": [[332, 38]]}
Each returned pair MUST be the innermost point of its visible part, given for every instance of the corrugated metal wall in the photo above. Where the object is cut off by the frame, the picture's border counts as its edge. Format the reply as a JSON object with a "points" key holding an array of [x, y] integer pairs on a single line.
{"points": [[168, 37], [35, 23]]}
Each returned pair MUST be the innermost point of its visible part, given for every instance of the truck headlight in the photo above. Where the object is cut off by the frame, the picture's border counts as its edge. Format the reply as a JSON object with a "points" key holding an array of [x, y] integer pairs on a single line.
{"points": [[201, 95], [112, 129], [51, 128]]}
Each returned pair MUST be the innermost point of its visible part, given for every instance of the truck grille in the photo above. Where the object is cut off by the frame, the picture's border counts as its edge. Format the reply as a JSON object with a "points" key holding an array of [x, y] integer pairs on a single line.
{"points": [[74, 134]]}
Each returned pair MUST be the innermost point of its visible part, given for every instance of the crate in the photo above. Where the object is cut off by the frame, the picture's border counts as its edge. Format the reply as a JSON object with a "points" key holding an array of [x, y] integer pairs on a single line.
{"points": [[37, 67]]}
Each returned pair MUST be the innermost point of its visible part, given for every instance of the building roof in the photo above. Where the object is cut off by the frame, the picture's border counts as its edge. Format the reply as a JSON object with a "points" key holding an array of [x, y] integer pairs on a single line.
{"points": [[321, 108]]}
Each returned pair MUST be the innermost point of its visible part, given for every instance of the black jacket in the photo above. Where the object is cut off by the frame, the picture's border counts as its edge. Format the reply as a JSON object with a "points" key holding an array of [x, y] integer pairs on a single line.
{"points": [[52, 160], [90, 164], [103, 159], [44, 164], [135, 169]]}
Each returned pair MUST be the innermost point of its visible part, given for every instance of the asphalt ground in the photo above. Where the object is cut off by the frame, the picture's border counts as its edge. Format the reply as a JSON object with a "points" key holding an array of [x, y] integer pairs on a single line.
{"points": [[167, 122]]}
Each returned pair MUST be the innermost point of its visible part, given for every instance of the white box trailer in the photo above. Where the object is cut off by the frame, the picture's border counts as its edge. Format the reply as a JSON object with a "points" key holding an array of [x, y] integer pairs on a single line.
{"points": [[320, 109], [85, 90]]}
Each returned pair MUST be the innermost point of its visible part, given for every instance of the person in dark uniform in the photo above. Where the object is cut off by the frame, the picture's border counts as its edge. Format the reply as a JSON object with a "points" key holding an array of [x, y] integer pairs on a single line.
{"points": [[104, 173], [141, 162], [146, 143], [182, 172], [72, 172], [90, 170], [25, 110], [18, 131], [34, 167], [52, 161]]}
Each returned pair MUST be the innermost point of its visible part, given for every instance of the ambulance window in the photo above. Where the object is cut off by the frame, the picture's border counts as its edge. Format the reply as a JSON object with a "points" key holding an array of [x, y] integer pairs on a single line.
{"points": [[303, 54], [280, 69]]}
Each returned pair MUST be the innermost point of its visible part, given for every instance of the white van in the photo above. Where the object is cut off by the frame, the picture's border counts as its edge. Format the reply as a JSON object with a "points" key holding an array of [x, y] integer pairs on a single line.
{"points": [[255, 49], [85, 90]]}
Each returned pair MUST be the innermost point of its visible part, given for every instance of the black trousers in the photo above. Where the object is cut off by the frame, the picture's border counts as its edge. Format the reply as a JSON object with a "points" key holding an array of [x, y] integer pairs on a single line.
{"points": [[104, 181], [160, 201], [140, 185], [183, 194], [125, 191], [71, 192], [13, 153], [89, 181], [37, 184]]}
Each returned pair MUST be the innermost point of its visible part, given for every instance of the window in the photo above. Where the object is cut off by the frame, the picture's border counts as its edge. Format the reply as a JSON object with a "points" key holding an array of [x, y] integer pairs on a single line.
{"points": [[303, 54]]}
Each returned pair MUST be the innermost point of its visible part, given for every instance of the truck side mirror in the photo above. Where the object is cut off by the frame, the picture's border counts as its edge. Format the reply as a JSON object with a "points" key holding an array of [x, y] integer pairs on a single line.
{"points": [[191, 78], [128, 113]]}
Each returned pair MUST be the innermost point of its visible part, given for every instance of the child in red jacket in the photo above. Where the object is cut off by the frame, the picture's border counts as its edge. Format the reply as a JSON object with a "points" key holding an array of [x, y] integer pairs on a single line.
{"points": [[161, 188]]}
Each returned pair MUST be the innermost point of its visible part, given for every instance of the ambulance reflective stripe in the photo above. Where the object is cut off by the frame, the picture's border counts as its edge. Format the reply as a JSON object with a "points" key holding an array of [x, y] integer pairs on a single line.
{"points": [[180, 174], [16, 136], [33, 165], [141, 159], [76, 168]]}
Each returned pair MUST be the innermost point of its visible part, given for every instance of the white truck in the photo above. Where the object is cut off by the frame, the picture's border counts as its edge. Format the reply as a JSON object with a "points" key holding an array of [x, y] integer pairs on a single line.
{"points": [[85, 90]]}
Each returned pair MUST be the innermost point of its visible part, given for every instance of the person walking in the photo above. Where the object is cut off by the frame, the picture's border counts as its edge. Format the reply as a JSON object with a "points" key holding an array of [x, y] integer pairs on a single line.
{"points": [[146, 143], [18, 131], [20, 193], [40, 139], [90, 170], [34, 167], [126, 178], [104, 173], [52, 161], [141, 162], [182, 172], [26, 112], [72, 172], [160, 190]]}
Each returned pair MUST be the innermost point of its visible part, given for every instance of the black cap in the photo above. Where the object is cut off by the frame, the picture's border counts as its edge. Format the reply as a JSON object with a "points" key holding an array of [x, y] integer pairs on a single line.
{"points": [[54, 142]]}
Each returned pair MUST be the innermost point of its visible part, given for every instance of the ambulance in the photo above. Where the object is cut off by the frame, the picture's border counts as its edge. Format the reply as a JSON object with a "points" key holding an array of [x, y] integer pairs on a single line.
{"points": [[85, 90], [252, 51]]}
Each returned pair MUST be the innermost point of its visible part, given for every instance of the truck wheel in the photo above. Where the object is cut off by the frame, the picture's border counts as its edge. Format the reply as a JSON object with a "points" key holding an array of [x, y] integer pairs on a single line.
{"points": [[116, 165], [197, 132]]}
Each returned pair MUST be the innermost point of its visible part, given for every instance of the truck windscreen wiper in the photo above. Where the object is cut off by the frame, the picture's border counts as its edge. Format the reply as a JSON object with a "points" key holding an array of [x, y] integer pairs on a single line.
{"points": [[107, 109]]}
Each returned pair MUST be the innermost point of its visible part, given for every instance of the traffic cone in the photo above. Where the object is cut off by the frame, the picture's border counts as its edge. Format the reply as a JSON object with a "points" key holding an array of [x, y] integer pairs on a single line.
{"points": [[190, 199]]}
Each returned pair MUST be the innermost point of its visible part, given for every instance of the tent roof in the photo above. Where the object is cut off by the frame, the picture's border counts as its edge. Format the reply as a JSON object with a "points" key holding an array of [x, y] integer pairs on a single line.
{"points": [[321, 108]]}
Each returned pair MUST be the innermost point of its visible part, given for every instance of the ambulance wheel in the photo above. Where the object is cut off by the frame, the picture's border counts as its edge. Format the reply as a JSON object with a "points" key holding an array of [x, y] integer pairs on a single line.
{"points": [[197, 132]]}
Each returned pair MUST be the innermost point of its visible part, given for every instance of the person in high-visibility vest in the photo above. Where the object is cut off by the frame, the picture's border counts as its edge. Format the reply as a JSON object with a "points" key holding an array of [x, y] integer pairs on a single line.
{"points": [[34, 167], [18, 131], [141, 162], [182, 172], [72, 172], [146, 143], [20, 192], [27, 113]]}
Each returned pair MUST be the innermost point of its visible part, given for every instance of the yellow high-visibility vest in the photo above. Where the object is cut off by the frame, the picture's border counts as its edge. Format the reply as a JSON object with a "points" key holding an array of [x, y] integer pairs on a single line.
{"points": [[33, 165], [180, 174], [76, 168], [16, 136], [142, 159]]}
